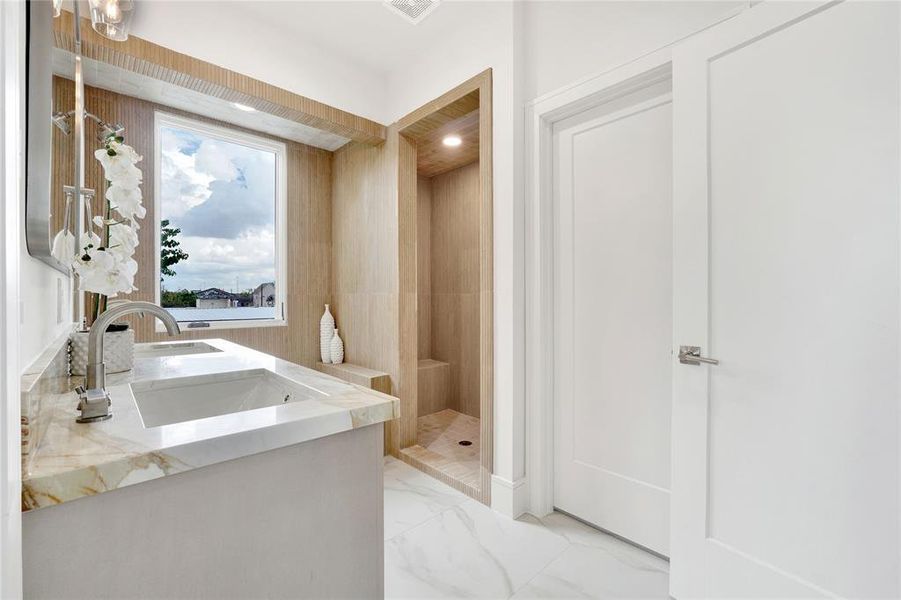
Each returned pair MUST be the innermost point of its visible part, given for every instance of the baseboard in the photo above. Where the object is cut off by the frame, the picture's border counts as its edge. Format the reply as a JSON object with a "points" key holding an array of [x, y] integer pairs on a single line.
{"points": [[510, 498]]}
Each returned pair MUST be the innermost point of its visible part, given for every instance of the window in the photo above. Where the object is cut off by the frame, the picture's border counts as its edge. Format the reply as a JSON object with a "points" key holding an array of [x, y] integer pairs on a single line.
{"points": [[220, 217]]}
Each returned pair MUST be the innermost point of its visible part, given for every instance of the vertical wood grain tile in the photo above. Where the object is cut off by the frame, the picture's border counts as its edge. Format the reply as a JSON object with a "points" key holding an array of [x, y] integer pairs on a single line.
{"points": [[455, 282], [407, 265], [424, 265], [364, 276]]}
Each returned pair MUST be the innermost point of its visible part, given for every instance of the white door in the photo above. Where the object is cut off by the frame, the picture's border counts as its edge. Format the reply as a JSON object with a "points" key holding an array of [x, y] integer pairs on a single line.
{"points": [[613, 301], [786, 206]]}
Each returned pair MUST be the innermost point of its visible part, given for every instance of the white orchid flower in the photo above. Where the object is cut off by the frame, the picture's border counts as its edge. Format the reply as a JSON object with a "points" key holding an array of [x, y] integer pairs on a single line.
{"points": [[126, 201], [123, 239], [63, 242], [103, 272], [126, 151], [90, 239], [111, 270]]}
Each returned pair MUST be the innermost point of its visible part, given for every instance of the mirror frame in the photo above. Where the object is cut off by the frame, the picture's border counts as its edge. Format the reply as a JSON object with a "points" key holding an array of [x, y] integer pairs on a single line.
{"points": [[39, 132]]}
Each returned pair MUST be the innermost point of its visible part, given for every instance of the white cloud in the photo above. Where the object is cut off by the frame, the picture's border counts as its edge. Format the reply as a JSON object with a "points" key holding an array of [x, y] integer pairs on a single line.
{"points": [[183, 186], [217, 159], [216, 262]]}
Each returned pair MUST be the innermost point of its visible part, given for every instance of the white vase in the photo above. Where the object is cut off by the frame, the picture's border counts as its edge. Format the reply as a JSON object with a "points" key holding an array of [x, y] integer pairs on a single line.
{"points": [[326, 333], [118, 351], [337, 349]]}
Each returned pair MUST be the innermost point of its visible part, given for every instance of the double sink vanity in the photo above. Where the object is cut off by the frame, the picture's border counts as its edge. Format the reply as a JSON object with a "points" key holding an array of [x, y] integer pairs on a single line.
{"points": [[226, 470]]}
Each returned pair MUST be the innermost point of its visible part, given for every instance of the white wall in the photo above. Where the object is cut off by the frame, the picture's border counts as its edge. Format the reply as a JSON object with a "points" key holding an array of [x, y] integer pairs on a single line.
{"points": [[223, 34], [12, 77], [567, 41], [38, 306]]}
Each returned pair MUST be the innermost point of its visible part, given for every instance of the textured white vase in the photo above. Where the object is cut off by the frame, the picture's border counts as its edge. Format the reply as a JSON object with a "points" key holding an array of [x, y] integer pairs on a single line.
{"points": [[118, 351], [337, 349], [326, 333]]}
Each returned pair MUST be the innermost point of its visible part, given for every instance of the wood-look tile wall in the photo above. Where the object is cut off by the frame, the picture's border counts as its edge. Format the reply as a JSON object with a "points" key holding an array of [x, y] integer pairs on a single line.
{"points": [[309, 223], [424, 265], [454, 279], [365, 284], [405, 174]]}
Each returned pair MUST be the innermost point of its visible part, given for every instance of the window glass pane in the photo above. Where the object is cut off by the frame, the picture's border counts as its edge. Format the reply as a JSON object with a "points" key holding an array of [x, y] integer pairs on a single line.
{"points": [[217, 202]]}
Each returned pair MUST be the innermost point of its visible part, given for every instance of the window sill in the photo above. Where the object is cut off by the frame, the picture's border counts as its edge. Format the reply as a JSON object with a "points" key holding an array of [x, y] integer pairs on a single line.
{"points": [[220, 325]]}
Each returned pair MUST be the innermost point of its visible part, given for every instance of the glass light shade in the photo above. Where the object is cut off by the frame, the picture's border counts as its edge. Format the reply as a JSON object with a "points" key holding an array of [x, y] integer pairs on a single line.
{"points": [[112, 18]]}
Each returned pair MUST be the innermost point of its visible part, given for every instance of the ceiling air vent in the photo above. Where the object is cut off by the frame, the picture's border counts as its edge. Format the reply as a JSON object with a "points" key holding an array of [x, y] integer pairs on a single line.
{"points": [[412, 10]]}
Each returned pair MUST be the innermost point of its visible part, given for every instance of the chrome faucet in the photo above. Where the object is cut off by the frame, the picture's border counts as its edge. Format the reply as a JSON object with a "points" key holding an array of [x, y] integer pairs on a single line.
{"points": [[93, 399]]}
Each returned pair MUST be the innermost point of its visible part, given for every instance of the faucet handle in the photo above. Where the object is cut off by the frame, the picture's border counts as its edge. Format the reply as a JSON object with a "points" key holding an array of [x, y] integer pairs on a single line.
{"points": [[81, 392], [94, 405]]}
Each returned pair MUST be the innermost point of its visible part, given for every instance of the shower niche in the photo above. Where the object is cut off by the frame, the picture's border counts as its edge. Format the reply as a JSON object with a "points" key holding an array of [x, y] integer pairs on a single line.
{"points": [[447, 196]]}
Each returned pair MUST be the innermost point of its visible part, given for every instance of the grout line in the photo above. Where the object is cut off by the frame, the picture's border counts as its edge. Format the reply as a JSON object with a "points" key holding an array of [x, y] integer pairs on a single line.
{"points": [[569, 545], [434, 516]]}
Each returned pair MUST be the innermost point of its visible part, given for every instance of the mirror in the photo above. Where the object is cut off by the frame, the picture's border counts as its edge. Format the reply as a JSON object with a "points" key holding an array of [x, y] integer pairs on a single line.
{"points": [[218, 154], [44, 213]]}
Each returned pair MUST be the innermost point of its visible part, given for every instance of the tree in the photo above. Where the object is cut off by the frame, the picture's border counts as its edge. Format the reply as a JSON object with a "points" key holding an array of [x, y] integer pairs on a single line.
{"points": [[179, 299], [170, 249]]}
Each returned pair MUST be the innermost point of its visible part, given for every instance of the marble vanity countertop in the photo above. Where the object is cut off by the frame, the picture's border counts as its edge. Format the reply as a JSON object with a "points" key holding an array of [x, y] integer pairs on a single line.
{"points": [[74, 460]]}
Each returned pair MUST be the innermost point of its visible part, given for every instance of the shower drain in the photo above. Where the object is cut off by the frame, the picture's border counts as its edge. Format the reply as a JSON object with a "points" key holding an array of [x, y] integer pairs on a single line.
{"points": [[465, 443]]}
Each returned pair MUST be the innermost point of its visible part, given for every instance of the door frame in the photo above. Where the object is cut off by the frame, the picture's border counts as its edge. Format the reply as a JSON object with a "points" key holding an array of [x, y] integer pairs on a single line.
{"points": [[407, 272], [537, 495], [647, 71]]}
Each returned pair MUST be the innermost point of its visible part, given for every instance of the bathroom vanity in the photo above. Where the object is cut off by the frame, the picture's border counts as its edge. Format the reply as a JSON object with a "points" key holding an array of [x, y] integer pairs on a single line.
{"points": [[223, 473]]}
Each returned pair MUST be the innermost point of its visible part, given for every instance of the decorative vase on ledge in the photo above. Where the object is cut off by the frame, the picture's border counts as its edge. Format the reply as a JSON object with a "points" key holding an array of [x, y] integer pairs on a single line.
{"points": [[337, 349], [118, 350], [326, 333]]}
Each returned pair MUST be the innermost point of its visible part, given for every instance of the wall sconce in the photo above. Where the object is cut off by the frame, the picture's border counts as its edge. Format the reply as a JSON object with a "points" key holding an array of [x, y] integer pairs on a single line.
{"points": [[112, 18]]}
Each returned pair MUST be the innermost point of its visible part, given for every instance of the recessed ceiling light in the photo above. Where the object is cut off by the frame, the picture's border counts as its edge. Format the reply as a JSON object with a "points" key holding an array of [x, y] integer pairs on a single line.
{"points": [[452, 140], [243, 107]]}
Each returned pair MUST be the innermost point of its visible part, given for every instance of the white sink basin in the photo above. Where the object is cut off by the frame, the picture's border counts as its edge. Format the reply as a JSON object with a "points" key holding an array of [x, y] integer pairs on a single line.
{"points": [[167, 401], [173, 349]]}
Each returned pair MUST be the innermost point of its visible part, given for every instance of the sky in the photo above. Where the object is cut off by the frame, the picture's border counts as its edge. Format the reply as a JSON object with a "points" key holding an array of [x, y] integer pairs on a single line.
{"points": [[222, 196]]}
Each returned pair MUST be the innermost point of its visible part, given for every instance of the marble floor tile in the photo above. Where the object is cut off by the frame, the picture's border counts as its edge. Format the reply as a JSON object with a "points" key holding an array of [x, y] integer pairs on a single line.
{"points": [[412, 497], [468, 551], [597, 565], [613, 570], [440, 544]]}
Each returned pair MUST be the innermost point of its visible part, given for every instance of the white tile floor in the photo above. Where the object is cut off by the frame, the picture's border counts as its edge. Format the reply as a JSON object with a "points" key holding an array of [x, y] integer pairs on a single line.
{"points": [[441, 544]]}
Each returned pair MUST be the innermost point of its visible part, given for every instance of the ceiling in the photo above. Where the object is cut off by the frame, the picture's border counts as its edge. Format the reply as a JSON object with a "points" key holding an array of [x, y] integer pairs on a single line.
{"points": [[364, 31]]}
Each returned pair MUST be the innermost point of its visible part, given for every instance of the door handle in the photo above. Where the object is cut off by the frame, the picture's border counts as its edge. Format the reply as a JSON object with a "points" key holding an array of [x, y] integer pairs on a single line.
{"points": [[691, 355]]}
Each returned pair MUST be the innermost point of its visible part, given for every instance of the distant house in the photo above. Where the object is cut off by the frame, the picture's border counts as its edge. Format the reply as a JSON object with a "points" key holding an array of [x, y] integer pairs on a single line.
{"points": [[264, 294], [245, 298], [215, 298]]}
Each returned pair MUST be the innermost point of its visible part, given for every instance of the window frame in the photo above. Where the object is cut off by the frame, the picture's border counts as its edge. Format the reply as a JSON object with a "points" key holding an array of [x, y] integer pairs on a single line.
{"points": [[163, 119]]}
